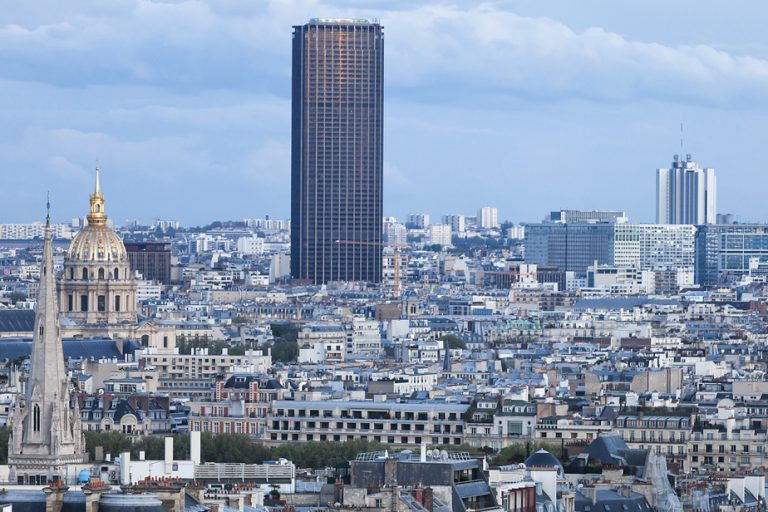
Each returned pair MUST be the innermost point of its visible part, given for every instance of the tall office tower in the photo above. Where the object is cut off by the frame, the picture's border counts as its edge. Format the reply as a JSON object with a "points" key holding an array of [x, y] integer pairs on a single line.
{"points": [[151, 259], [336, 151], [488, 217], [686, 193]]}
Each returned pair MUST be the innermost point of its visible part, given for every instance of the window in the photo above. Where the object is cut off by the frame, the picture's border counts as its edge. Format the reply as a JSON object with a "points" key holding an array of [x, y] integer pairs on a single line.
{"points": [[101, 274], [116, 274], [71, 302], [117, 303], [85, 273], [102, 303], [36, 418], [83, 303]]}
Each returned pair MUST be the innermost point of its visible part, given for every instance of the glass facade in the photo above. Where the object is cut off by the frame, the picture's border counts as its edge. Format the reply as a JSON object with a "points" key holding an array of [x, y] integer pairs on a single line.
{"points": [[723, 252], [336, 151]]}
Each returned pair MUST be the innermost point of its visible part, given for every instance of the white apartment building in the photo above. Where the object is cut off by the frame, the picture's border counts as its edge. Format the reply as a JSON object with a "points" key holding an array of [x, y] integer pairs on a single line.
{"points": [[395, 233], [418, 220], [250, 245], [654, 246], [279, 267], [201, 364], [33, 230], [439, 234], [457, 222], [488, 217], [364, 337]]}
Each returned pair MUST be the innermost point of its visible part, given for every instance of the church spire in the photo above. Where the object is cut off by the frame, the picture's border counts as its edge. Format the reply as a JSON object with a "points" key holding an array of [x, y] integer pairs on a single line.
{"points": [[41, 441], [96, 215]]}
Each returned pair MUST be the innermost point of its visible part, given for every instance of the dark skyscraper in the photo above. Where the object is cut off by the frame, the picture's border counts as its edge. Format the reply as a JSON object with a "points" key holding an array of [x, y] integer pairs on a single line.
{"points": [[336, 151]]}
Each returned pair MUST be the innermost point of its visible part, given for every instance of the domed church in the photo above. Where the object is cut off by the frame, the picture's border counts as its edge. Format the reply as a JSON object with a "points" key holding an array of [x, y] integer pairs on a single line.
{"points": [[97, 287]]}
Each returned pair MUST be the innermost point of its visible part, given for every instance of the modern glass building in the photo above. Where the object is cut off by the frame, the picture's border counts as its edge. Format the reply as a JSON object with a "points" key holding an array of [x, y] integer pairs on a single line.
{"points": [[336, 151], [723, 252]]}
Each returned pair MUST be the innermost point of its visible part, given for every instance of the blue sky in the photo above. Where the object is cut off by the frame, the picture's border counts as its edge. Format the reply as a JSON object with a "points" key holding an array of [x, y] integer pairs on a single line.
{"points": [[529, 106]]}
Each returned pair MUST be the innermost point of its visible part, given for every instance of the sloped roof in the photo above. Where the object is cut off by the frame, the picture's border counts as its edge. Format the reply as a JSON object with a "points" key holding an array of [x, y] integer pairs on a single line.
{"points": [[17, 320]]}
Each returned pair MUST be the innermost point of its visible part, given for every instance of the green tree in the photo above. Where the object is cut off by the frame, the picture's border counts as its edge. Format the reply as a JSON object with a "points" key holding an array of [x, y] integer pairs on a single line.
{"points": [[5, 434], [521, 450], [453, 341], [285, 351], [285, 331], [114, 443]]}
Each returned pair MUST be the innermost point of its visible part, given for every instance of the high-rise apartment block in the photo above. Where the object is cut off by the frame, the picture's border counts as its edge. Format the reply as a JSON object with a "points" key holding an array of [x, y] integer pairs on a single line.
{"points": [[488, 217], [686, 193], [439, 234], [337, 150], [457, 222], [417, 220]]}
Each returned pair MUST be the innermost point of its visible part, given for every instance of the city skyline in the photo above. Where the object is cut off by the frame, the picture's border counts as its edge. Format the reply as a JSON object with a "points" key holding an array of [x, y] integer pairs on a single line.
{"points": [[201, 93]]}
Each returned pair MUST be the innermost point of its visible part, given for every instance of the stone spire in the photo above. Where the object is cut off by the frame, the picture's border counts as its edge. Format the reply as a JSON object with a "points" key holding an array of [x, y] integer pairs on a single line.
{"points": [[44, 427]]}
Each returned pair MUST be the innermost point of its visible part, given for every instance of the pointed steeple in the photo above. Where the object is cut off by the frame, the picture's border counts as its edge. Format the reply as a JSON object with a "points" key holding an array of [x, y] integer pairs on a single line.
{"points": [[47, 384], [97, 188], [96, 215], [40, 433]]}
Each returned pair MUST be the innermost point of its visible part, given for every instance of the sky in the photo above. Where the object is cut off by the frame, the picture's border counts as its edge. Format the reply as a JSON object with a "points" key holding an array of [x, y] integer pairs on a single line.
{"points": [[528, 105]]}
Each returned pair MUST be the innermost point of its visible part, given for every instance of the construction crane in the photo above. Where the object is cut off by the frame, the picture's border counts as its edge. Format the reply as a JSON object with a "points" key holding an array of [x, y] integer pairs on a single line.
{"points": [[396, 288]]}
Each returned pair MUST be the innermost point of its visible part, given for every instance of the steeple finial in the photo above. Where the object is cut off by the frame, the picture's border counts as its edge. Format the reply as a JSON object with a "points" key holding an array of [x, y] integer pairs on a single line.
{"points": [[97, 188], [48, 210], [96, 216]]}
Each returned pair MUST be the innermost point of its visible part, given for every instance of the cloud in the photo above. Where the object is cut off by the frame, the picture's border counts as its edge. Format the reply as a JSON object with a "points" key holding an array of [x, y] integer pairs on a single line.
{"points": [[269, 164], [433, 51]]}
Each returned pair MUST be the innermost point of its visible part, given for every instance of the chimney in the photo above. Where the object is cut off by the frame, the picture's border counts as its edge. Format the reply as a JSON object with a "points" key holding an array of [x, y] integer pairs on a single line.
{"points": [[168, 455], [194, 447], [125, 468], [429, 501]]}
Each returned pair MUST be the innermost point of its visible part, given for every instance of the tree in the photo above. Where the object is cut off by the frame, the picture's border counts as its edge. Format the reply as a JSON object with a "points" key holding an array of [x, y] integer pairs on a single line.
{"points": [[5, 433], [453, 342], [114, 443], [286, 331], [15, 297], [285, 351], [520, 451]]}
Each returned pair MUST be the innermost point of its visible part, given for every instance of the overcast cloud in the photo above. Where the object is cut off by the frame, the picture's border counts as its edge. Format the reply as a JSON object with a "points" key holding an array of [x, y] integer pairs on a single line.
{"points": [[528, 106]]}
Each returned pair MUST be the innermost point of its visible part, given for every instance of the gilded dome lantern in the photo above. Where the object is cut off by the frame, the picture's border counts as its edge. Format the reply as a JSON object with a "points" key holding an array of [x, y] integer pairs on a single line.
{"points": [[97, 286]]}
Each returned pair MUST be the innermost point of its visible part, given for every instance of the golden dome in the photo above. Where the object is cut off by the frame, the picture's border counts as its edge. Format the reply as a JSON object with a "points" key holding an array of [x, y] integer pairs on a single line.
{"points": [[97, 242]]}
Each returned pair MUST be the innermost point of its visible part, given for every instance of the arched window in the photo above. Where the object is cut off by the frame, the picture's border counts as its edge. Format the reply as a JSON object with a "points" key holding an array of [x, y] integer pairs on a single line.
{"points": [[98, 208], [36, 418], [117, 274], [101, 274], [41, 330], [85, 273], [71, 273]]}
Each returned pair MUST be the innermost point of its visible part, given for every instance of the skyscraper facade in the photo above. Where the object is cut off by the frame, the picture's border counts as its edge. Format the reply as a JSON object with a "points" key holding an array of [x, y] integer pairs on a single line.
{"points": [[336, 151], [686, 193]]}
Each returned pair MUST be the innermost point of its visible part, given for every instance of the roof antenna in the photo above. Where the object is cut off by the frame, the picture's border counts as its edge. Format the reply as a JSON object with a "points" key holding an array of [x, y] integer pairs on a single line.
{"points": [[681, 139]]}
